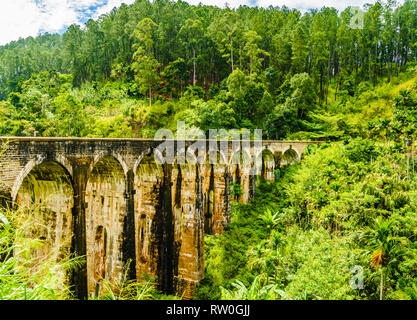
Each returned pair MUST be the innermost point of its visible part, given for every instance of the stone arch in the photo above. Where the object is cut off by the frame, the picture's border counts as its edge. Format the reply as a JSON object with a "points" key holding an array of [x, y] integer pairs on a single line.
{"points": [[278, 158], [220, 158], [183, 181], [61, 160], [146, 153], [106, 207], [290, 156], [44, 201], [265, 164], [241, 157], [191, 158], [240, 168], [196, 153], [99, 157], [268, 165]]}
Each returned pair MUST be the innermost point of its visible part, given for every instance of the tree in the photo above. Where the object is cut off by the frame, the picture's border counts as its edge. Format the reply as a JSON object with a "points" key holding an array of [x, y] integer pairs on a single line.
{"points": [[145, 65], [73, 42], [253, 52], [192, 35], [236, 83], [388, 36], [346, 53], [175, 75], [303, 95], [70, 117], [384, 246], [319, 52], [299, 50], [224, 32], [281, 53], [287, 117]]}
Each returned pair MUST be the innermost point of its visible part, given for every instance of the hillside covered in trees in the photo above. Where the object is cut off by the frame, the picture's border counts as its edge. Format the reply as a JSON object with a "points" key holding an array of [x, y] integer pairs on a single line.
{"points": [[352, 200], [145, 66]]}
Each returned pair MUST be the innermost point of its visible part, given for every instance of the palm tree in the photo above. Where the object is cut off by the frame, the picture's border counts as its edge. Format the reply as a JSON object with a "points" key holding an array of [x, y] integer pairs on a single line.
{"points": [[384, 246], [255, 291], [270, 219]]}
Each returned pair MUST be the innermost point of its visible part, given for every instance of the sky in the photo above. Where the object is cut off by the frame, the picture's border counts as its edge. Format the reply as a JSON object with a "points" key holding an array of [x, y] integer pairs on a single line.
{"points": [[24, 18]]}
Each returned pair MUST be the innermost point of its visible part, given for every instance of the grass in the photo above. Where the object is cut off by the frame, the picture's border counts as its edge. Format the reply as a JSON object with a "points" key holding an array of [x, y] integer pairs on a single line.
{"points": [[23, 274]]}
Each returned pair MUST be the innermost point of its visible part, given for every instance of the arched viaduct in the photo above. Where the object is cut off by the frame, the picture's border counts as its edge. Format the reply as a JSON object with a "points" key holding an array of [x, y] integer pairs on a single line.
{"points": [[109, 200]]}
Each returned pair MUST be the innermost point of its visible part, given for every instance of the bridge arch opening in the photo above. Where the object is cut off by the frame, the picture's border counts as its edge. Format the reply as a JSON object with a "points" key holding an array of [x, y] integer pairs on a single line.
{"points": [[105, 213], [240, 167], [268, 165], [289, 156], [45, 200], [278, 159]]}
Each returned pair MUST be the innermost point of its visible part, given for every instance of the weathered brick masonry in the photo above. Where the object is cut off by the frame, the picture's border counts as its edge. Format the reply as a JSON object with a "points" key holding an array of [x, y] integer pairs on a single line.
{"points": [[108, 200]]}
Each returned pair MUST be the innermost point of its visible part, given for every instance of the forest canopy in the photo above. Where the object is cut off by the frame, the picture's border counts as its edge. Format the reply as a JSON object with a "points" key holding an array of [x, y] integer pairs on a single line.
{"points": [[147, 65]]}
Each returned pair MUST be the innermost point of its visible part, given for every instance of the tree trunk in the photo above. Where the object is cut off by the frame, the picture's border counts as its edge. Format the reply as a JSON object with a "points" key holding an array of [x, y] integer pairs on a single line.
{"points": [[396, 47], [194, 80], [381, 284], [250, 59], [408, 161], [412, 154], [321, 87], [240, 55], [337, 81], [231, 53], [389, 72]]}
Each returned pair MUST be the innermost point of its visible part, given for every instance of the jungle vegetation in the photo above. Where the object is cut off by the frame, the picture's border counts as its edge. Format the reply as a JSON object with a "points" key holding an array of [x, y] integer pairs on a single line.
{"points": [[146, 66], [351, 201]]}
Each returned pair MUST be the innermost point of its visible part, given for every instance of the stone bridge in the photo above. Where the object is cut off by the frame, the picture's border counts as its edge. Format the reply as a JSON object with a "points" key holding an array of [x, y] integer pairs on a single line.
{"points": [[111, 202]]}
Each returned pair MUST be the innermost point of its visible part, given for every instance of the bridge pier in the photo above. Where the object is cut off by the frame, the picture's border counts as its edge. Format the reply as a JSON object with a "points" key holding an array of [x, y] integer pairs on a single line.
{"points": [[79, 242], [189, 231]]}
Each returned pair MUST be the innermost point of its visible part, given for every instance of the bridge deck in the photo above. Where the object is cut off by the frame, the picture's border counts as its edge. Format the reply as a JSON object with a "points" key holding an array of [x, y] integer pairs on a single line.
{"points": [[11, 138]]}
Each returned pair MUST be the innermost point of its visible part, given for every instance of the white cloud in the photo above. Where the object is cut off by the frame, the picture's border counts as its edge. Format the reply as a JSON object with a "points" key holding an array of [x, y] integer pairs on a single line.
{"points": [[24, 18], [18, 18], [110, 5]]}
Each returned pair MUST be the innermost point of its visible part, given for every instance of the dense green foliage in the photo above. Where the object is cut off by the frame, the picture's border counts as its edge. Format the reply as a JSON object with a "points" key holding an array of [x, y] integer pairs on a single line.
{"points": [[300, 238], [351, 201], [348, 204], [21, 276], [147, 65]]}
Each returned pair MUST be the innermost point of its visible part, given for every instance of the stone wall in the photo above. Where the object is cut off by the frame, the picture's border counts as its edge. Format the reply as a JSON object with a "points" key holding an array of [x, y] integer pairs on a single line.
{"points": [[108, 200]]}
